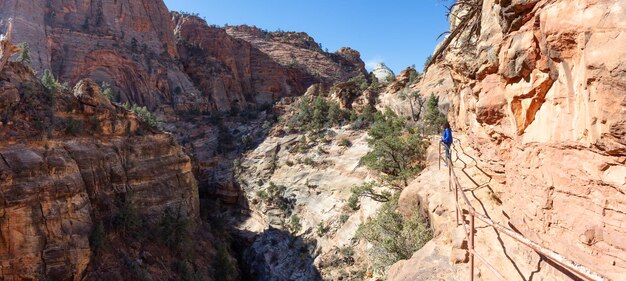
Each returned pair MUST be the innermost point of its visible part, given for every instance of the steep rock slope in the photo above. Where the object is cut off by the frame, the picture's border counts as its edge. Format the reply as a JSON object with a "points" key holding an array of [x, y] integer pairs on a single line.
{"points": [[134, 46], [232, 71], [299, 50], [67, 163], [128, 44], [317, 177], [539, 91], [176, 65]]}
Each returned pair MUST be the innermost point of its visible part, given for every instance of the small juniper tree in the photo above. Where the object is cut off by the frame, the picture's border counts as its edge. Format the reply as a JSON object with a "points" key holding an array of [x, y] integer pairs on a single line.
{"points": [[25, 55], [434, 119], [394, 237], [395, 152], [374, 85], [107, 91], [48, 81]]}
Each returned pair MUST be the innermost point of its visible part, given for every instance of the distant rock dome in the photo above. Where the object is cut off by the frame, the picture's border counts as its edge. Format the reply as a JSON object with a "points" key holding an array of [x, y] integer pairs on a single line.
{"points": [[382, 72]]}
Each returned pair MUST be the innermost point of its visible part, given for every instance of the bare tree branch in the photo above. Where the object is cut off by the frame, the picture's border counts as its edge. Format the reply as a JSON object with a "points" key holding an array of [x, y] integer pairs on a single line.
{"points": [[7, 49]]}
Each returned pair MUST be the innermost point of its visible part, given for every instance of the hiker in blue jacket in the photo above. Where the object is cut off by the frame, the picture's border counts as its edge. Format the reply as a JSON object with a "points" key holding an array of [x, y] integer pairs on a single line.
{"points": [[447, 138]]}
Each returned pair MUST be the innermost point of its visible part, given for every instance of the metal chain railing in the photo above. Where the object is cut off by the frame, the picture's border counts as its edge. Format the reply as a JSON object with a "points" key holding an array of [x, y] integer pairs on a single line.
{"points": [[571, 267]]}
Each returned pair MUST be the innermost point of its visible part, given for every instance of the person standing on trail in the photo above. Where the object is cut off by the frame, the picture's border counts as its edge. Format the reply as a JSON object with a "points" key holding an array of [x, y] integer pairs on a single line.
{"points": [[447, 138]]}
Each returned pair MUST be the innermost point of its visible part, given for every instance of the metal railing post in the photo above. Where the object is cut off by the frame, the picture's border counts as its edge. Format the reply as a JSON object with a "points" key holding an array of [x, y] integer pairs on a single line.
{"points": [[449, 174], [456, 200], [471, 245], [439, 155]]}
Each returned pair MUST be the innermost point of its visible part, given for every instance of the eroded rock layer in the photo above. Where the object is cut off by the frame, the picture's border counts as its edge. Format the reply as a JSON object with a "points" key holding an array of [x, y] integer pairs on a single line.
{"points": [[67, 162], [540, 92]]}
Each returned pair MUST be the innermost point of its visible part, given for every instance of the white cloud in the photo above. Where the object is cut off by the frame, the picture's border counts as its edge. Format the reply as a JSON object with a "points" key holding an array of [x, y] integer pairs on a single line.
{"points": [[370, 64]]}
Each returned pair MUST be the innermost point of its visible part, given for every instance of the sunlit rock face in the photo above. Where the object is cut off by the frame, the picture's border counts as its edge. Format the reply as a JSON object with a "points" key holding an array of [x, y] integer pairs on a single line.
{"points": [[540, 93], [382, 72], [66, 161]]}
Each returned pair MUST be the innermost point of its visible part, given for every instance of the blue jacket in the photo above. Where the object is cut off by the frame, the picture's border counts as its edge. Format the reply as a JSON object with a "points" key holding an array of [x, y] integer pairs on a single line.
{"points": [[447, 136]]}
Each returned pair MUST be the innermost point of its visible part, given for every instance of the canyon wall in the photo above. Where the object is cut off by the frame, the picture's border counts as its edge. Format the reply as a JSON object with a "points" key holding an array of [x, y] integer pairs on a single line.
{"points": [[69, 160], [128, 44], [235, 72], [165, 61], [175, 64], [539, 90], [72, 162]]}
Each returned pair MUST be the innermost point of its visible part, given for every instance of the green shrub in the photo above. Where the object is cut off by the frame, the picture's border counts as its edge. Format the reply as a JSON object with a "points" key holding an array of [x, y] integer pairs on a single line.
{"points": [[128, 222], [73, 126], [174, 230], [347, 251], [294, 224], [392, 236], [366, 190], [246, 140], [262, 194], [365, 119], [308, 161], [107, 91], [144, 115], [97, 239], [345, 142], [427, 62], [322, 229], [94, 123], [433, 118], [50, 83], [360, 81], [343, 218], [225, 268], [321, 150], [186, 273], [413, 76], [275, 196], [316, 114], [25, 54], [139, 273], [353, 202], [375, 85], [266, 125], [395, 152]]}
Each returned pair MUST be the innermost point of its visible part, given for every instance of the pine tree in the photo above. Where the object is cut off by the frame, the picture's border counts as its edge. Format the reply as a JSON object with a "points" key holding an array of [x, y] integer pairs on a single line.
{"points": [[434, 119], [25, 55], [48, 81], [374, 85]]}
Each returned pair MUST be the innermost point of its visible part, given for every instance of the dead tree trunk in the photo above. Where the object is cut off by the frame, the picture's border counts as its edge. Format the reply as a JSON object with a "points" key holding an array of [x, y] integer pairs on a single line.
{"points": [[7, 49]]}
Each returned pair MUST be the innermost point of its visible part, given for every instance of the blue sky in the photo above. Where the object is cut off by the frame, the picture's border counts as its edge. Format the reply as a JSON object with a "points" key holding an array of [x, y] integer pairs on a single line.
{"points": [[398, 32]]}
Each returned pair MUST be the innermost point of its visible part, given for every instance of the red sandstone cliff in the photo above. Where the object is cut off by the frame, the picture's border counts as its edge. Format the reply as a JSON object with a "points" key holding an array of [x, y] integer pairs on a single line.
{"points": [[231, 72], [180, 64], [70, 160], [540, 93], [128, 44], [298, 50], [175, 64]]}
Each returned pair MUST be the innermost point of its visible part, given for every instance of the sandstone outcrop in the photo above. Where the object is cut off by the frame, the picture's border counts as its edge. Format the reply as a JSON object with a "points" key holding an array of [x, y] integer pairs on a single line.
{"points": [[540, 94], [66, 162], [177, 65], [231, 72], [383, 73], [298, 50], [318, 176], [129, 44], [7, 49]]}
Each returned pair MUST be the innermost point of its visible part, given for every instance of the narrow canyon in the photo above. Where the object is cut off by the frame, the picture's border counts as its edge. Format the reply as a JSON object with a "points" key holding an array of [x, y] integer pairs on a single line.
{"points": [[139, 143]]}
